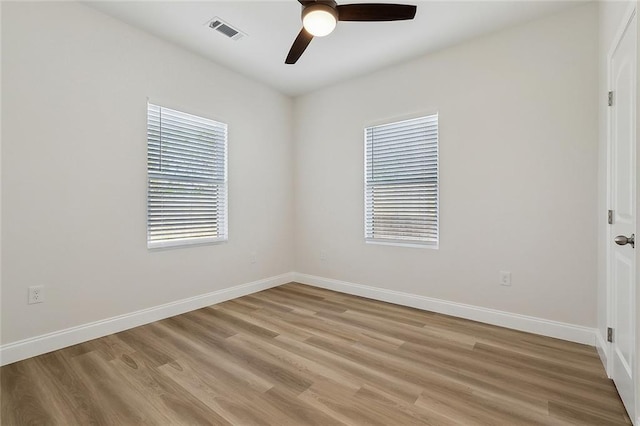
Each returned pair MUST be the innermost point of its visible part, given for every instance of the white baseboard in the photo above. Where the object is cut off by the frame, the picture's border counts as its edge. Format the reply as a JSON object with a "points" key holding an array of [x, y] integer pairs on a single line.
{"points": [[39, 345], [559, 330], [603, 350]]}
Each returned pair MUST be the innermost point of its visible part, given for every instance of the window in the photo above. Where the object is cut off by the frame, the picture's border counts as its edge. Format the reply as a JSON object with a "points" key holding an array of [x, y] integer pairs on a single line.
{"points": [[187, 179], [401, 182]]}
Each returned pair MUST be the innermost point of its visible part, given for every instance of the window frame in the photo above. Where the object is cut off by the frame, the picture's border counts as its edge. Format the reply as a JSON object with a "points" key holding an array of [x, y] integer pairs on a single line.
{"points": [[427, 243], [223, 185]]}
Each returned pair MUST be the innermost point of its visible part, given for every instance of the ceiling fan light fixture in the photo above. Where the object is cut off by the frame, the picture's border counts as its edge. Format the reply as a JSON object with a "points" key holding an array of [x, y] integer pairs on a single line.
{"points": [[319, 19]]}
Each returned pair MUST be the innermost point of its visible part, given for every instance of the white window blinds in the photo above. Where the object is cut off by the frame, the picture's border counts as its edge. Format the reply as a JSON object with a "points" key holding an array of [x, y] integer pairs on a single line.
{"points": [[401, 182], [187, 178]]}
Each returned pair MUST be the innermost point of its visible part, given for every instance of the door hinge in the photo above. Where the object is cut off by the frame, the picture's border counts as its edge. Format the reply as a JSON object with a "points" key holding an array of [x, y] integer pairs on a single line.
{"points": [[609, 334], [610, 217], [610, 100]]}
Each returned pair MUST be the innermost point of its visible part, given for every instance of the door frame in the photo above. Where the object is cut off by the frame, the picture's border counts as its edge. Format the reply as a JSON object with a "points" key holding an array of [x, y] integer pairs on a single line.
{"points": [[628, 16]]}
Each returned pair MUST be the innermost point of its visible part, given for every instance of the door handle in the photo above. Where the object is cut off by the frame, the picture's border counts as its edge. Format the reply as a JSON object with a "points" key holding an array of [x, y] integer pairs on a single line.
{"points": [[622, 240]]}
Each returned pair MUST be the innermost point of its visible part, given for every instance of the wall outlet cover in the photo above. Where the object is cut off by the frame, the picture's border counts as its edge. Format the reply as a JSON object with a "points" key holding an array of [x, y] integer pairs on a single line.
{"points": [[505, 278], [36, 294]]}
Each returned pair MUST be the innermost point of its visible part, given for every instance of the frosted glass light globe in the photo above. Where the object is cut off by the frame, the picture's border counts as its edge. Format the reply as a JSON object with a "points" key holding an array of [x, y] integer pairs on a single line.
{"points": [[319, 19]]}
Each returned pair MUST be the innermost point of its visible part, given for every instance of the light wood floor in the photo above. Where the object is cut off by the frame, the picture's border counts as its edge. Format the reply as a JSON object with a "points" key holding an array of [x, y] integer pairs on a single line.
{"points": [[297, 355]]}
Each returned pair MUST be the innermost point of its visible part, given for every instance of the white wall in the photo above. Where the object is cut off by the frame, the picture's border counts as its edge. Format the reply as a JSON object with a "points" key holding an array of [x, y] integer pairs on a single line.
{"points": [[75, 87], [519, 149], [518, 169]]}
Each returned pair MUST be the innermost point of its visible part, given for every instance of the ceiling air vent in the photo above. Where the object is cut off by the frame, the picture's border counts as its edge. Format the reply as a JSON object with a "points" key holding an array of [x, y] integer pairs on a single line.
{"points": [[226, 29]]}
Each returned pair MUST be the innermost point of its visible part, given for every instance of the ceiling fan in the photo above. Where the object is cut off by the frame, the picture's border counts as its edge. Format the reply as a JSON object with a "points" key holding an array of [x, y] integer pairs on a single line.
{"points": [[320, 17]]}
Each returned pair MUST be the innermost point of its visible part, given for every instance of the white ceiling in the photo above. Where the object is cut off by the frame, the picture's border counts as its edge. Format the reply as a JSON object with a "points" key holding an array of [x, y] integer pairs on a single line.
{"points": [[353, 49]]}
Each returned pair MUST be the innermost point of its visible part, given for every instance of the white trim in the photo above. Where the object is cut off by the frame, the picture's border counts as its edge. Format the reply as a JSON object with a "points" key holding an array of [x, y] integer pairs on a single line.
{"points": [[426, 245], [559, 330], [185, 242], [39, 345], [400, 118], [603, 350]]}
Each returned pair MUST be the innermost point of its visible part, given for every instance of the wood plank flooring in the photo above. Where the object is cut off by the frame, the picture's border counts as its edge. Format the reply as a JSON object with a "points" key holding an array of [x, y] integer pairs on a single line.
{"points": [[298, 355]]}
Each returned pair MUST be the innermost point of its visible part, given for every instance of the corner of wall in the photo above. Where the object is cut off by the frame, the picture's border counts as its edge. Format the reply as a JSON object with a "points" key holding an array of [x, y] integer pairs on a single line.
{"points": [[603, 350]]}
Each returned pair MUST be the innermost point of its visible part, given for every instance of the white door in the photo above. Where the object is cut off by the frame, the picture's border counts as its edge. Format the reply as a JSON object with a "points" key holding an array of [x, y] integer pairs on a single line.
{"points": [[622, 190]]}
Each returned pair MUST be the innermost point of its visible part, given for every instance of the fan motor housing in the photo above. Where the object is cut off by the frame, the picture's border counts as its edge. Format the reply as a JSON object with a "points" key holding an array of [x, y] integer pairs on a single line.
{"points": [[327, 6]]}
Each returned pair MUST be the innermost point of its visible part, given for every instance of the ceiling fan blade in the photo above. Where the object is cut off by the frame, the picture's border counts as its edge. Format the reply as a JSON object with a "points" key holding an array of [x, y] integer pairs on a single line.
{"points": [[299, 45], [376, 12]]}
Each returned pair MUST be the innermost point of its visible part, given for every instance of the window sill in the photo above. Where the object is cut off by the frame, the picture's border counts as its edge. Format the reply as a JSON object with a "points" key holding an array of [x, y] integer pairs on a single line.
{"points": [[429, 245], [191, 242]]}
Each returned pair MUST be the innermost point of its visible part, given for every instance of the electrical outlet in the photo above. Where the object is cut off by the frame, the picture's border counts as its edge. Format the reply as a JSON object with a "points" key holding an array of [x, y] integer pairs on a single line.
{"points": [[36, 294], [323, 255], [505, 278], [253, 257]]}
